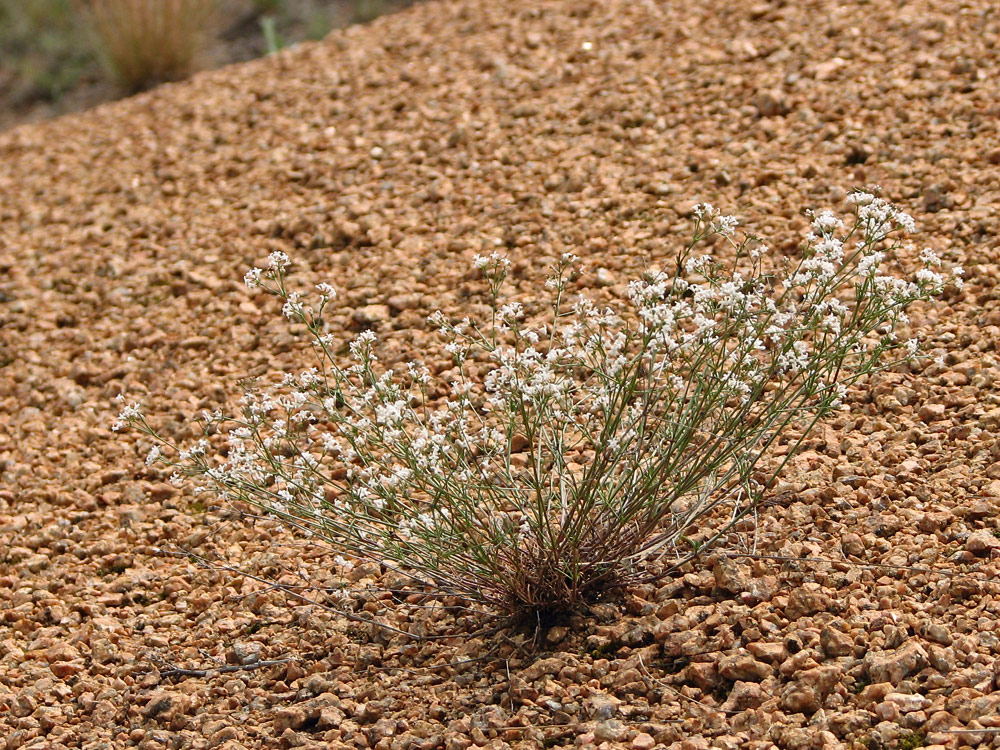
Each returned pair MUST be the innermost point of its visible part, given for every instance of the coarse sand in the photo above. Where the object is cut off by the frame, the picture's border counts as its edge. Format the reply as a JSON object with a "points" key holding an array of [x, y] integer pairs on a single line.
{"points": [[381, 160]]}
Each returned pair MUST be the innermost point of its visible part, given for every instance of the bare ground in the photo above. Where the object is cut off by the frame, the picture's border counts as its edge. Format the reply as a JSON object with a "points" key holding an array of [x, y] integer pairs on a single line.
{"points": [[382, 159]]}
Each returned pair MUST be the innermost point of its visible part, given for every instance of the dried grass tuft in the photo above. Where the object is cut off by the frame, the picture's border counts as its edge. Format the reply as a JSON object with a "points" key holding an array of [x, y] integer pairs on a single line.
{"points": [[147, 42]]}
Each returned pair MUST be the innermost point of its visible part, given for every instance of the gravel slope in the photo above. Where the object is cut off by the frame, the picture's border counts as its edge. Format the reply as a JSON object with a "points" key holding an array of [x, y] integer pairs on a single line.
{"points": [[381, 160]]}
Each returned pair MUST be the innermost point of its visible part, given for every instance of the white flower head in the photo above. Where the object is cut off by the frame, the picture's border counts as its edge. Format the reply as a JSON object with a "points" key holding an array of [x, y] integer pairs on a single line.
{"points": [[128, 414], [343, 563], [860, 198], [826, 222], [494, 259], [725, 225], [252, 278], [277, 261]]}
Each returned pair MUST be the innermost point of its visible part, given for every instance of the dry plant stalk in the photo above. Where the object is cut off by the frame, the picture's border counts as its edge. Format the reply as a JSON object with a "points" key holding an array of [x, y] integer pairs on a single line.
{"points": [[147, 42]]}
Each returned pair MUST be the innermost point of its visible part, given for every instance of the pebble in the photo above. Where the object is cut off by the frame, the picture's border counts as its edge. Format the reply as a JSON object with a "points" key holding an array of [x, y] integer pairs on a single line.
{"points": [[982, 543], [895, 666]]}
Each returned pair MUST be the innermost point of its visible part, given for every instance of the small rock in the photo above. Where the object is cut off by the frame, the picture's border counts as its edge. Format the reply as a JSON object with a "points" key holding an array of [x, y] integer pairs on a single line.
{"points": [[810, 689], [935, 631], [289, 717], [942, 659], [543, 667], [835, 642], [556, 634], [610, 730], [980, 543], [875, 693], [601, 706], [887, 711], [371, 315], [896, 666], [931, 412], [728, 576], [163, 705], [824, 71], [771, 652], [744, 695], [804, 601], [760, 590], [244, 653], [643, 741], [605, 277], [772, 103], [908, 703], [64, 669], [852, 546], [742, 666]]}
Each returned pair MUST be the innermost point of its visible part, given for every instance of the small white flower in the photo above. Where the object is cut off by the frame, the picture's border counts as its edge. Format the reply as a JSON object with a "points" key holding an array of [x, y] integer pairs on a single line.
{"points": [[153, 456], [494, 259], [841, 391], [343, 563], [691, 265], [277, 261], [456, 349], [252, 278], [293, 307], [826, 222], [929, 258], [128, 414], [512, 311], [927, 276], [725, 225]]}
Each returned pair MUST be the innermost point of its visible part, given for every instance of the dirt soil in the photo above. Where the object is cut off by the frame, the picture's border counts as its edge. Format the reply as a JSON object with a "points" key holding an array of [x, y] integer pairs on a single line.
{"points": [[382, 160]]}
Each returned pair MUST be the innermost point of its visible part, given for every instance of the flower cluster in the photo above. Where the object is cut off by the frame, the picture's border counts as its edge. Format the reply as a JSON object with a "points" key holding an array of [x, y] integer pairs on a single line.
{"points": [[570, 446]]}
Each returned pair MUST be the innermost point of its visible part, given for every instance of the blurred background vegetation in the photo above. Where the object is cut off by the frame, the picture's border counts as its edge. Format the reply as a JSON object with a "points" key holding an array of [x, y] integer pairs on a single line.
{"points": [[58, 56]]}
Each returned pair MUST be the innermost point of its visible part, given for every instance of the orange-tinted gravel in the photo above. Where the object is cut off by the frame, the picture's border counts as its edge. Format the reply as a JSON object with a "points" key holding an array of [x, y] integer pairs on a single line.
{"points": [[382, 160]]}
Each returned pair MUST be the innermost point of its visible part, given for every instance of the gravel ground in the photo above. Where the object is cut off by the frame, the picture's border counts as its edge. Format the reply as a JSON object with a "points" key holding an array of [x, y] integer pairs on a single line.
{"points": [[381, 160]]}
